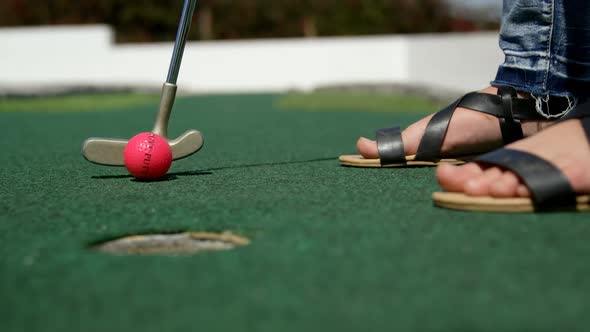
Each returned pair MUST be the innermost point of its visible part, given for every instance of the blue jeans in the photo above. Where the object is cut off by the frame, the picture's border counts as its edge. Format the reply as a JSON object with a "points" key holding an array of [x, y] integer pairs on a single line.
{"points": [[547, 48]]}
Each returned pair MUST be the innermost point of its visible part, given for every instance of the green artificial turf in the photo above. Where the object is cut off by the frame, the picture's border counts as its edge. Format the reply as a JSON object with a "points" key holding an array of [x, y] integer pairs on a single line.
{"points": [[333, 248], [338, 101], [77, 103]]}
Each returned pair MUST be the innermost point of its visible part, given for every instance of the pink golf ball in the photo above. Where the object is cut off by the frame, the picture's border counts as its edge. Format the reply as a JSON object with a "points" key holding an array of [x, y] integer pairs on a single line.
{"points": [[148, 156]]}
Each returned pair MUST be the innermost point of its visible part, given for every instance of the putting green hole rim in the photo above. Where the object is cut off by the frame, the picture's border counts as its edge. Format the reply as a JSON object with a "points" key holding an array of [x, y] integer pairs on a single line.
{"points": [[179, 243]]}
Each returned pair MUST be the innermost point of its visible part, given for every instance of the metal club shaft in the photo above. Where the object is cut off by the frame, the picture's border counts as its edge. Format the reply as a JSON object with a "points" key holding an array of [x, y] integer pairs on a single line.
{"points": [[169, 88], [107, 151], [184, 27]]}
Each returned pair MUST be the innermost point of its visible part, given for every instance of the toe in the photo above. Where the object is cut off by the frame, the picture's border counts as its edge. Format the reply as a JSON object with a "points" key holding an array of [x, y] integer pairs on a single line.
{"points": [[367, 148], [505, 186], [480, 186], [453, 178], [523, 191]]}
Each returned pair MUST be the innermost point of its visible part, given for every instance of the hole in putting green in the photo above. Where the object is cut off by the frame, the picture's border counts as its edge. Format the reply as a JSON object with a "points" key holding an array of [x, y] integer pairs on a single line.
{"points": [[188, 243]]}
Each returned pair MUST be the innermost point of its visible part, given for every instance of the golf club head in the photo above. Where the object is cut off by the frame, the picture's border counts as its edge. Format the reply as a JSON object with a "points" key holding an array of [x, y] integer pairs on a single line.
{"points": [[110, 152]]}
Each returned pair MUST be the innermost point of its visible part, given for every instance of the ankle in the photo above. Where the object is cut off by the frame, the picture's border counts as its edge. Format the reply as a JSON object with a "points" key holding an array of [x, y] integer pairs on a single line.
{"points": [[530, 128]]}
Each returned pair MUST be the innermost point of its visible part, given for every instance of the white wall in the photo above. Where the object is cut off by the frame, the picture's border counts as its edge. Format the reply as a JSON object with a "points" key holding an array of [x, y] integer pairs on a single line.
{"points": [[86, 55], [461, 62]]}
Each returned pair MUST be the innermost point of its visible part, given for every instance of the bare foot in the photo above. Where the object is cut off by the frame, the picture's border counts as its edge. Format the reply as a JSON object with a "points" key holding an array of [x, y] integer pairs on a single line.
{"points": [[470, 132], [564, 145]]}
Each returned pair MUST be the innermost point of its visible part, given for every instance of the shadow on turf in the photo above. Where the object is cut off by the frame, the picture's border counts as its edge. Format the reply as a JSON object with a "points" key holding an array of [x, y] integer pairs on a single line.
{"points": [[174, 176], [279, 163], [168, 177]]}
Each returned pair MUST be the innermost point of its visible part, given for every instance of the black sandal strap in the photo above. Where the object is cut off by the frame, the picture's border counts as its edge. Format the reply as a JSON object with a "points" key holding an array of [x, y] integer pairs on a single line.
{"points": [[511, 128], [435, 132], [586, 126], [522, 108], [581, 112], [506, 106], [391, 146], [550, 189]]}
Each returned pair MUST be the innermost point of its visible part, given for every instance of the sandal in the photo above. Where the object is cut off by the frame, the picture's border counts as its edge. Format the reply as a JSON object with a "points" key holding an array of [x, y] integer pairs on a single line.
{"points": [[550, 189], [506, 106]]}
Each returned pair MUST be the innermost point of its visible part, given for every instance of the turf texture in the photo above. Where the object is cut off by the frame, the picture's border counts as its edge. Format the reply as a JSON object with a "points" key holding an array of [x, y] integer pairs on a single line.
{"points": [[332, 248]]}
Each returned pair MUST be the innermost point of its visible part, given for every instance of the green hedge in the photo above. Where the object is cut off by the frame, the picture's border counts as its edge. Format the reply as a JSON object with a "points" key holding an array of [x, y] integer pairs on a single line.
{"points": [[156, 20]]}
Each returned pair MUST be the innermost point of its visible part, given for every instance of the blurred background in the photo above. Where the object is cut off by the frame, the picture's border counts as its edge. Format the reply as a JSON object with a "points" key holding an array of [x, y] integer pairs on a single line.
{"points": [[156, 20], [386, 41]]}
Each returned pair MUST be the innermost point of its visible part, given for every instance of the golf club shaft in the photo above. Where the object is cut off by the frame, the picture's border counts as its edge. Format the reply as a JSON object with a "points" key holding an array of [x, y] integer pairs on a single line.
{"points": [[111, 151], [169, 88], [183, 29]]}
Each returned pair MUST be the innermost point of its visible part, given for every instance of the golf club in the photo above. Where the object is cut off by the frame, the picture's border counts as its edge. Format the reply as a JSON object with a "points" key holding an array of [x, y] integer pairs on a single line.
{"points": [[108, 151]]}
